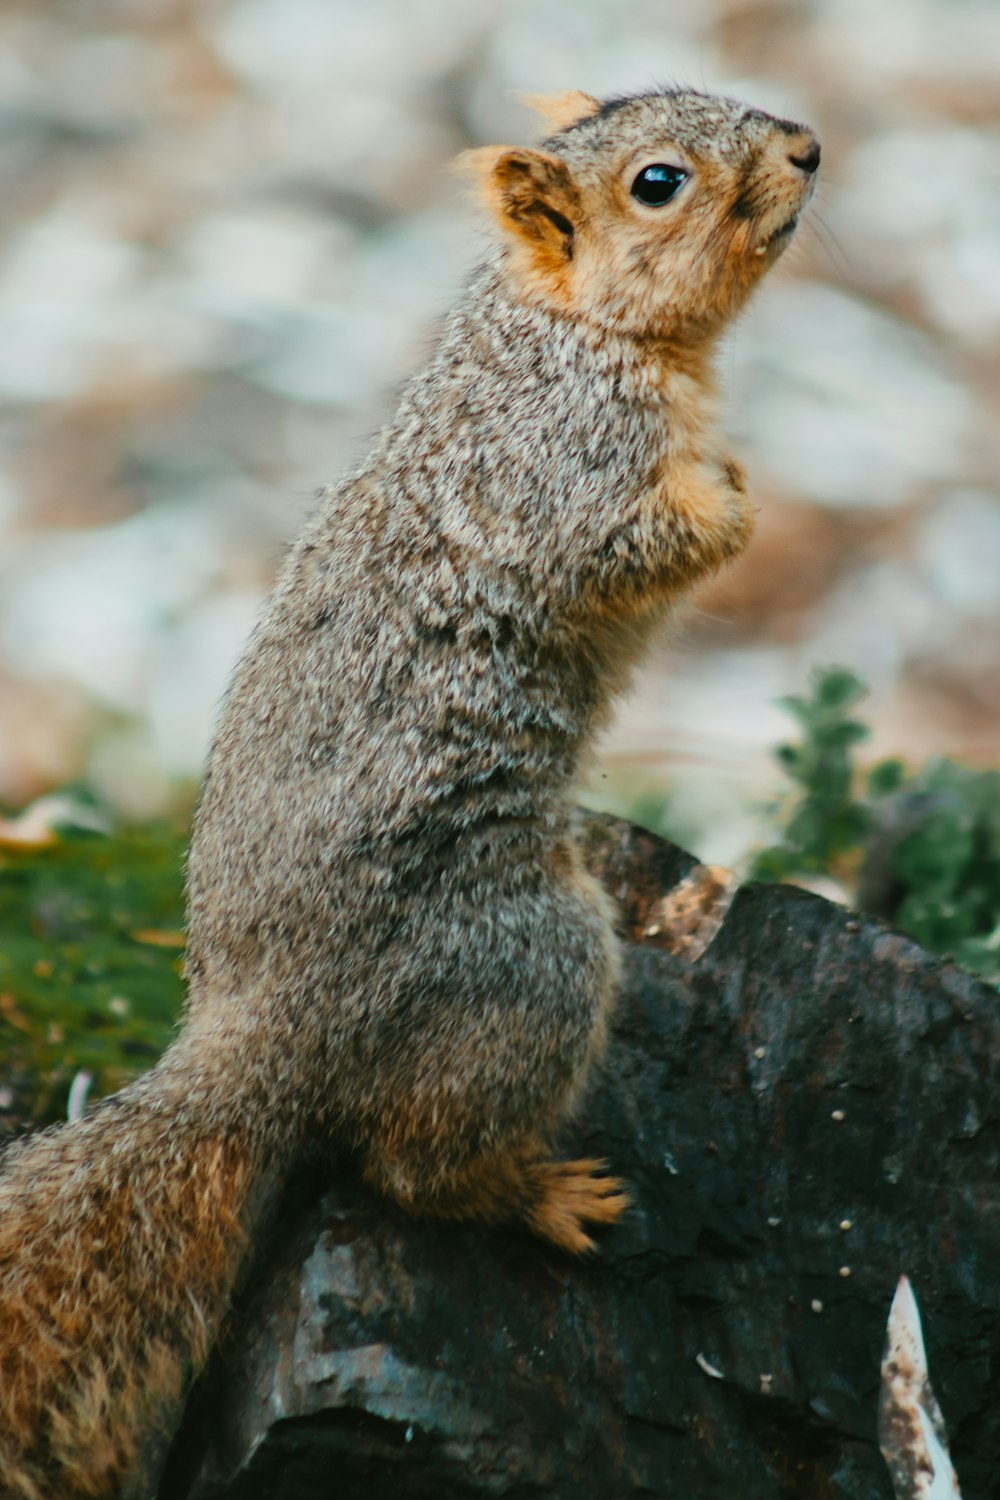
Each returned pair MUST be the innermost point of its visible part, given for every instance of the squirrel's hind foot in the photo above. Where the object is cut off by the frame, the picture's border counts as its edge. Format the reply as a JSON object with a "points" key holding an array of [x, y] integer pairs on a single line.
{"points": [[554, 1199], [571, 1194]]}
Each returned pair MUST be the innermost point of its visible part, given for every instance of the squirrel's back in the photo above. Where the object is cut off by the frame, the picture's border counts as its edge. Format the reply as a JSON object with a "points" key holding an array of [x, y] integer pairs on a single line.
{"points": [[444, 638]]}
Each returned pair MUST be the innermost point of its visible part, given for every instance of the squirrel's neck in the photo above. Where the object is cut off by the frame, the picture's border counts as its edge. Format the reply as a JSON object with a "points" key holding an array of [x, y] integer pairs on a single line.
{"points": [[687, 351]]}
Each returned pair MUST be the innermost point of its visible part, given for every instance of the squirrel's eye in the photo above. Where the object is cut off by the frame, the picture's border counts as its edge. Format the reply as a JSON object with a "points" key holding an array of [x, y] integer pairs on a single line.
{"points": [[657, 184]]}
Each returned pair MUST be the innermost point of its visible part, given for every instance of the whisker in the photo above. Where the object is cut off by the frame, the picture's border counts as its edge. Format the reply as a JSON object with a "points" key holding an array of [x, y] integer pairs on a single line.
{"points": [[832, 246]]}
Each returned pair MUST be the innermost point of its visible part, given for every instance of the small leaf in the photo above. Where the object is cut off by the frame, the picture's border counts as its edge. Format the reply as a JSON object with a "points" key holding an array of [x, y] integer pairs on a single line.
{"points": [[846, 732], [837, 688], [885, 777]]}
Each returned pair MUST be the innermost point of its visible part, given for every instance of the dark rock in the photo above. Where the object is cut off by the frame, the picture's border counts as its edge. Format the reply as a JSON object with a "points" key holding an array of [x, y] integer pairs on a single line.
{"points": [[805, 1112]]}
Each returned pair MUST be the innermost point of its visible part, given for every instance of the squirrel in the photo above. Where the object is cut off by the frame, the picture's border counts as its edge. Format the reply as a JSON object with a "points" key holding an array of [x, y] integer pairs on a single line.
{"points": [[394, 948]]}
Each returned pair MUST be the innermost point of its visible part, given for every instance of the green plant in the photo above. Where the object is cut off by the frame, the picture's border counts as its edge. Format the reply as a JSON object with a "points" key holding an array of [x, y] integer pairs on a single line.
{"points": [[90, 944], [921, 850], [944, 863], [822, 821]]}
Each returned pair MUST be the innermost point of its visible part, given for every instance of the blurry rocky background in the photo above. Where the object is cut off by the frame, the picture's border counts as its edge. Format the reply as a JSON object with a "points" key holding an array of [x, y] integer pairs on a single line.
{"points": [[228, 232]]}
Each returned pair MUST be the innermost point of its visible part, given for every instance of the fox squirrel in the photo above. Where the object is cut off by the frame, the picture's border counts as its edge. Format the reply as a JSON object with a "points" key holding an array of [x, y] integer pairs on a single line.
{"points": [[393, 944]]}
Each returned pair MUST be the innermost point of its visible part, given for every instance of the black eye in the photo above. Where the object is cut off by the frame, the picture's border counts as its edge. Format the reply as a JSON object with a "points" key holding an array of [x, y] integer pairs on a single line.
{"points": [[657, 184]]}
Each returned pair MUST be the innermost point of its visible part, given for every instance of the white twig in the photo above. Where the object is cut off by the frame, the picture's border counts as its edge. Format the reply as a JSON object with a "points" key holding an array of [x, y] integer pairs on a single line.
{"points": [[78, 1091], [911, 1429]]}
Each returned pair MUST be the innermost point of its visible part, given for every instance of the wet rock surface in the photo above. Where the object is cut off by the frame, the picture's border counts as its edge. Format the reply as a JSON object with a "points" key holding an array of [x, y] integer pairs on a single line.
{"points": [[808, 1110]]}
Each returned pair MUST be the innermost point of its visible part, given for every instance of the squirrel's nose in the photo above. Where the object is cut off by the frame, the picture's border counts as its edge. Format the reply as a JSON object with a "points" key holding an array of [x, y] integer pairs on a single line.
{"points": [[807, 159]]}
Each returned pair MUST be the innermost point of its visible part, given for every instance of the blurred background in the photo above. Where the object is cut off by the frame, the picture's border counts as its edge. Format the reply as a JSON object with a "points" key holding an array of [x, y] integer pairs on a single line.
{"points": [[228, 233]]}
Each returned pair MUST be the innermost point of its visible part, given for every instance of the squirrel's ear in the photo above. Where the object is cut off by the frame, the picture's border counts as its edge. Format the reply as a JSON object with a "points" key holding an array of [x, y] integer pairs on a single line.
{"points": [[562, 110], [532, 195]]}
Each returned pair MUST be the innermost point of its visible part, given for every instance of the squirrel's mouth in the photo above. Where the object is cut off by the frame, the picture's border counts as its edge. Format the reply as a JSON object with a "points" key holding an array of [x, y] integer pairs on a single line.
{"points": [[779, 239]]}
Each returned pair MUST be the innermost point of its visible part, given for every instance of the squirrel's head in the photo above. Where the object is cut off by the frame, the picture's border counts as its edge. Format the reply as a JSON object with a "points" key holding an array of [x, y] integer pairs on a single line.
{"points": [[656, 214]]}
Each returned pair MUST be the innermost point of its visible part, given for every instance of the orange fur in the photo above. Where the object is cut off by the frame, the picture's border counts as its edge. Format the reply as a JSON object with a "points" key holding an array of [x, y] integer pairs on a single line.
{"points": [[86, 1370], [534, 197], [564, 109], [569, 1194]]}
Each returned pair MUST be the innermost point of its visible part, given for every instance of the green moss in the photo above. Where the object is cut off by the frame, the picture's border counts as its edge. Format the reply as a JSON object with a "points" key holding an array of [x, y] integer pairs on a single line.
{"points": [[90, 958]]}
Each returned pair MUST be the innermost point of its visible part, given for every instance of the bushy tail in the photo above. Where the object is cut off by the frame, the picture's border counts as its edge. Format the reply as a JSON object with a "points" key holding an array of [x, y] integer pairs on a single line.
{"points": [[120, 1240]]}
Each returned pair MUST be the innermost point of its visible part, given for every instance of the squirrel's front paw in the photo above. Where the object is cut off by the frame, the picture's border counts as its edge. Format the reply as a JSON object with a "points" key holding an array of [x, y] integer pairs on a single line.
{"points": [[740, 513], [708, 516]]}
